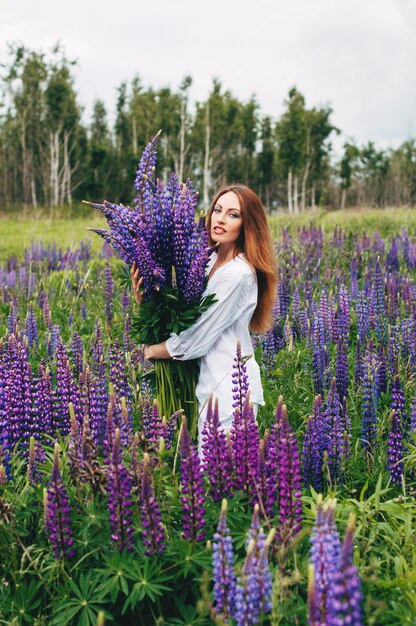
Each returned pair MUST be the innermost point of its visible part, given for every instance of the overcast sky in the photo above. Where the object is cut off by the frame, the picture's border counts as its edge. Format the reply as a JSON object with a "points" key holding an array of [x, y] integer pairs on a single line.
{"points": [[356, 55]]}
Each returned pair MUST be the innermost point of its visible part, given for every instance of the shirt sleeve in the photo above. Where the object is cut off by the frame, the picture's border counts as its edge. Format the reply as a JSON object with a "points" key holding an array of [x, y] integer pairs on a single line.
{"points": [[232, 296]]}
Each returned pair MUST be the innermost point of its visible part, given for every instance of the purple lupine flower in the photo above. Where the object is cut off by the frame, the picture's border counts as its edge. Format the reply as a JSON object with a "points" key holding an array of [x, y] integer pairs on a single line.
{"points": [[94, 400], [119, 498], [119, 374], [395, 450], [216, 459], [109, 292], [254, 589], [343, 315], [57, 514], [289, 482], [377, 302], [345, 596], [325, 552], [363, 318], [370, 400], [341, 369], [334, 435], [398, 402], [223, 574], [65, 392], [75, 457], [239, 380], [152, 528], [358, 364], [412, 424], [146, 168], [268, 472], [32, 328], [381, 374], [45, 414], [245, 445], [314, 445], [192, 488], [319, 355], [77, 352]]}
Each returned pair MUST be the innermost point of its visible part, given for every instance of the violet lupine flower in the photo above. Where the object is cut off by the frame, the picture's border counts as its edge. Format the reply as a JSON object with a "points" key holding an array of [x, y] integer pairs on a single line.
{"points": [[343, 319], [341, 370], [314, 446], [345, 596], [412, 424], [152, 528], [398, 402], [192, 488], [65, 392], [77, 352], [239, 380], [223, 573], [146, 169], [32, 328], [109, 292], [216, 459], [75, 456], [98, 400], [268, 472], [57, 514], [395, 450], [118, 373], [381, 374], [334, 434], [325, 553], [377, 303], [363, 318], [289, 482], [319, 355], [254, 588], [45, 415], [370, 401], [245, 445], [119, 498]]}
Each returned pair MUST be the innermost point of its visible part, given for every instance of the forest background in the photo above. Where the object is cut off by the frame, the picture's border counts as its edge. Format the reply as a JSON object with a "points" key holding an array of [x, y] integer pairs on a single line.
{"points": [[50, 156]]}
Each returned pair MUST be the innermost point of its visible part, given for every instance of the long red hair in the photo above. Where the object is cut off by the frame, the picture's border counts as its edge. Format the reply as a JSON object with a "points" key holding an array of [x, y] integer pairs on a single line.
{"points": [[256, 243]]}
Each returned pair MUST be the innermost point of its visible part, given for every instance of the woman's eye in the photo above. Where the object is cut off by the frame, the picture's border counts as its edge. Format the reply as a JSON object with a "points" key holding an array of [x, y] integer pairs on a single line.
{"points": [[235, 214], [217, 210]]}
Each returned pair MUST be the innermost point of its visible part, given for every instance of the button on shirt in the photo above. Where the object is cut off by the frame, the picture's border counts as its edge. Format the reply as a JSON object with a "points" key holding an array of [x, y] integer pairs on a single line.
{"points": [[213, 338]]}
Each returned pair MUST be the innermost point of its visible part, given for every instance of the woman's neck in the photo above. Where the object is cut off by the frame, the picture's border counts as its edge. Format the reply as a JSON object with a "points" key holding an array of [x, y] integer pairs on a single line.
{"points": [[226, 252]]}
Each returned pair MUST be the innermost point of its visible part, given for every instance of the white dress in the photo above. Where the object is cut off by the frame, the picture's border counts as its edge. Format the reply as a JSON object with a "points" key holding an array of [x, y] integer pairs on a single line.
{"points": [[213, 338]]}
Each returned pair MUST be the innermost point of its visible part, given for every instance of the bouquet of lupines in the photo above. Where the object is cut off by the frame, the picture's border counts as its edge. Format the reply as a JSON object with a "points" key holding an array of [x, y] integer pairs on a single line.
{"points": [[170, 248]]}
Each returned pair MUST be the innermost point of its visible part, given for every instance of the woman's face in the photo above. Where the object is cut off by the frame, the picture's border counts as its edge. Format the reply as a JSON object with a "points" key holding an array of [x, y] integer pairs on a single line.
{"points": [[226, 219]]}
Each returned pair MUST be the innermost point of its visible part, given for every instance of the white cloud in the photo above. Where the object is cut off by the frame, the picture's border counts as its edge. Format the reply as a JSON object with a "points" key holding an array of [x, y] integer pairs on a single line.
{"points": [[357, 55]]}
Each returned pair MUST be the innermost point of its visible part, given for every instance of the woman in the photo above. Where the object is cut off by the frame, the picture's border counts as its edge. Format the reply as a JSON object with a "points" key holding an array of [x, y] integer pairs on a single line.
{"points": [[243, 275]]}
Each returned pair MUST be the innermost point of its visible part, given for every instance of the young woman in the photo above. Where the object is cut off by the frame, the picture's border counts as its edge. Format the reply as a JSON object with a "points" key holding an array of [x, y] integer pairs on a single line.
{"points": [[243, 275]]}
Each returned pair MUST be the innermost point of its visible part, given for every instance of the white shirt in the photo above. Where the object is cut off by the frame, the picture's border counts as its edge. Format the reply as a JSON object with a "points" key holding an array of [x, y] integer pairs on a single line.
{"points": [[213, 337]]}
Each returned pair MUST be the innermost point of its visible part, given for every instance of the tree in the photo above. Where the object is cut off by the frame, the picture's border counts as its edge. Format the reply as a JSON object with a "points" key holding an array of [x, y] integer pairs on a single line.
{"points": [[347, 166], [291, 133]]}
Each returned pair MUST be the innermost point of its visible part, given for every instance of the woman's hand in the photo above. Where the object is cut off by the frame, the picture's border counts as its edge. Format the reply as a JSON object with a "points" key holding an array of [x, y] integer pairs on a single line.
{"points": [[137, 281]]}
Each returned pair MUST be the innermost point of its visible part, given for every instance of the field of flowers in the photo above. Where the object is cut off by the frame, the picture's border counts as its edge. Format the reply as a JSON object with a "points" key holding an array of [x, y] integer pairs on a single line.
{"points": [[107, 514]]}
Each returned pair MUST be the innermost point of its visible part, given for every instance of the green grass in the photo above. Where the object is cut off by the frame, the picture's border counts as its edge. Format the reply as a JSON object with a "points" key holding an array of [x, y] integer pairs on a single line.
{"points": [[18, 233], [387, 222]]}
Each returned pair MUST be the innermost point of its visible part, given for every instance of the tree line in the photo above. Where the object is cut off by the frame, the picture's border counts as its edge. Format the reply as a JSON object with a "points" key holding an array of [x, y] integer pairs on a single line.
{"points": [[49, 156]]}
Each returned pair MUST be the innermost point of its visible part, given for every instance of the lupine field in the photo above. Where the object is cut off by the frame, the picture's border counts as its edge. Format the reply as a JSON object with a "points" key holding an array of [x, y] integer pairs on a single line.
{"points": [[109, 516]]}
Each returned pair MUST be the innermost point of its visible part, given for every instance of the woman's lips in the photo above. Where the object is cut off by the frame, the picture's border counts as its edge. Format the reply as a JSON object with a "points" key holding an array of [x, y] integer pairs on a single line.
{"points": [[218, 229]]}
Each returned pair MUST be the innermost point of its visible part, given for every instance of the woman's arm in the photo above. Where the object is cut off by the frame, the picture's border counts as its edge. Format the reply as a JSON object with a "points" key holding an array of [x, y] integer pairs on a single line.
{"points": [[157, 351]]}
